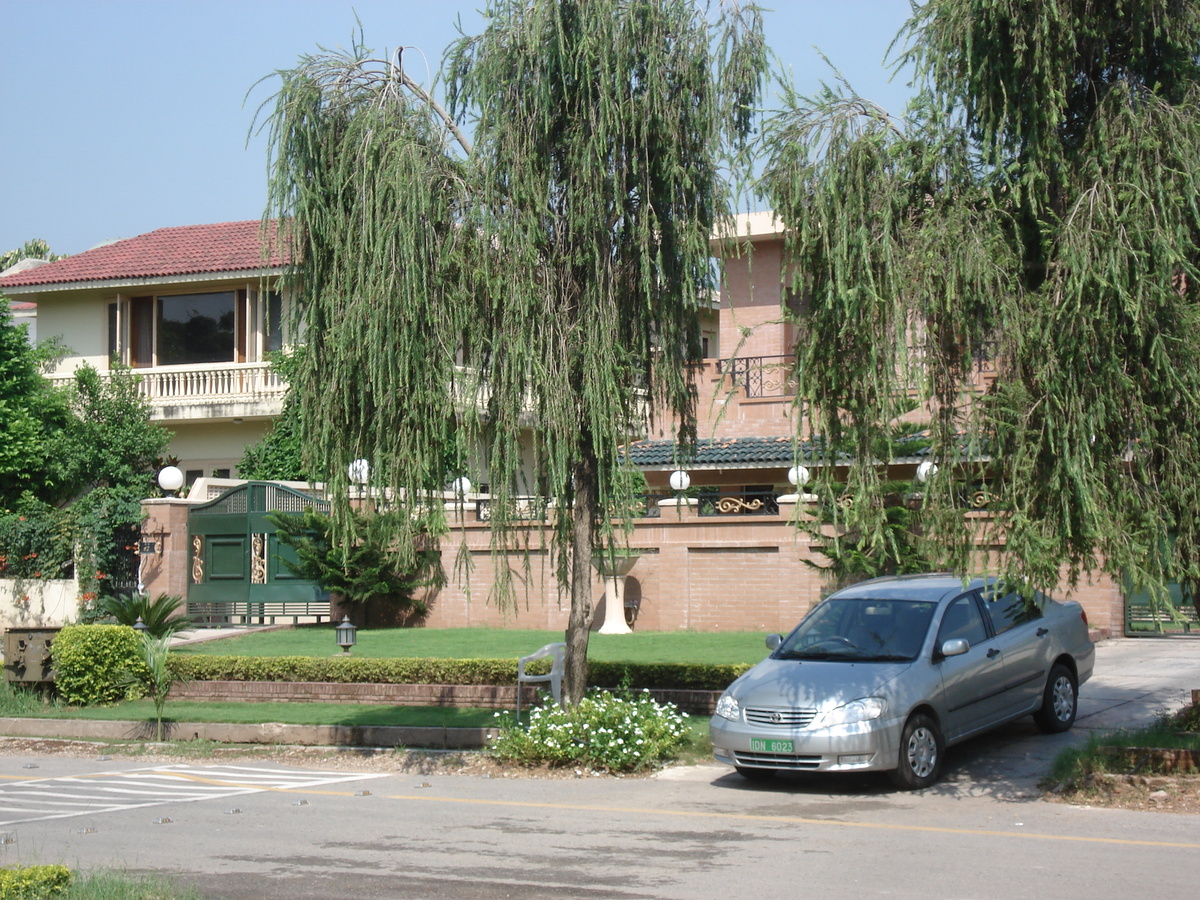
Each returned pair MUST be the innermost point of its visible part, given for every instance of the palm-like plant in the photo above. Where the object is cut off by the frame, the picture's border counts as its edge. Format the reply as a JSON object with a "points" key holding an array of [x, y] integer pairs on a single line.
{"points": [[157, 680], [162, 616]]}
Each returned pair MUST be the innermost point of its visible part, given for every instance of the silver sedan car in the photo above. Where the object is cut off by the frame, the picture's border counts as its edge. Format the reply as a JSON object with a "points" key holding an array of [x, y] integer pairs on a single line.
{"points": [[884, 675]]}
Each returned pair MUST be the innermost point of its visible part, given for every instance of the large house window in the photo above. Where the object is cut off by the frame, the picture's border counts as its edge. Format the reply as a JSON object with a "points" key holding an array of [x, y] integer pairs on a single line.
{"points": [[198, 329]]}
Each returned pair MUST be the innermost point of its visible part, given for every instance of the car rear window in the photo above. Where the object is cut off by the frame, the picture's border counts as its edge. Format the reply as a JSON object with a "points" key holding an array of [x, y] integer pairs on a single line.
{"points": [[1008, 610]]}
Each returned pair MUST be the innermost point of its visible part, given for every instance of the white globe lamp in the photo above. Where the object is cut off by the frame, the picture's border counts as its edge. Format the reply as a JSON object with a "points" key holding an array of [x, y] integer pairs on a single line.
{"points": [[359, 471], [680, 481], [170, 479]]}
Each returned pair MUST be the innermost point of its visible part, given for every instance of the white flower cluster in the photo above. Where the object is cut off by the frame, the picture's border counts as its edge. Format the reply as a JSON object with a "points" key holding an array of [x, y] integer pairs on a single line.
{"points": [[618, 733]]}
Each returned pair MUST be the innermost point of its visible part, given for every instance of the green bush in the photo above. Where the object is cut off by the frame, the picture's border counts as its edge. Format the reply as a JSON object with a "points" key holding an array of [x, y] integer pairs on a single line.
{"points": [[33, 882], [346, 670], [618, 734], [95, 664]]}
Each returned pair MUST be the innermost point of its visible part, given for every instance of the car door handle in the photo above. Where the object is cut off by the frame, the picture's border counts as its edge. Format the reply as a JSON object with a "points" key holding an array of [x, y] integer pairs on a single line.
{"points": [[993, 653], [1042, 632]]}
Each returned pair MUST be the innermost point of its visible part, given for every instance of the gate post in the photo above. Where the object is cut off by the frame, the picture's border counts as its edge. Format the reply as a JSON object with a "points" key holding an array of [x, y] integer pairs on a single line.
{"points": [[165, 555]]}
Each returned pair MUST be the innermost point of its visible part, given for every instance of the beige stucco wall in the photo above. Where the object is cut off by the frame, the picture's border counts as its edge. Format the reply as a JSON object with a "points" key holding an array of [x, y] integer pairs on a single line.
{"points": [[208, 444], [81, 322], [34, 603]]}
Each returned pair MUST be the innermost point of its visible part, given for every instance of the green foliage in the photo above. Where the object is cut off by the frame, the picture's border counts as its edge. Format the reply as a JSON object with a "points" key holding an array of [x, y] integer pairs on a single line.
{"points": [[162, 616], [33, 882], [94, 452], [21, 700], [31, 413], [349, 670], [367, 567], [116, 885], [36, 541], [563, 258], [112, 442], [1033, 207], [603, 731], [93, 663], [894, 548], [110, 451]]}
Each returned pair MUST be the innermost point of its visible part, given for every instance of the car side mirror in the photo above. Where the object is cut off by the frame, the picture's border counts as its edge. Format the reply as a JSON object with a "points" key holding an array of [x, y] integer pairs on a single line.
{"points": [[956, 647], [773, 641]]}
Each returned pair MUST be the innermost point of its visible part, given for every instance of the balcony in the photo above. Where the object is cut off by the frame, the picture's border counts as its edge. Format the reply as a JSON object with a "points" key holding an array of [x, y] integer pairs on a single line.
{"points": [[761, 376], [213, 391]]}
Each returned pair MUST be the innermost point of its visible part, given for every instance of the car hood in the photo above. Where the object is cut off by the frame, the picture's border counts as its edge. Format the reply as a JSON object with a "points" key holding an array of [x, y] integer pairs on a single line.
{"points": [[812, 684]]}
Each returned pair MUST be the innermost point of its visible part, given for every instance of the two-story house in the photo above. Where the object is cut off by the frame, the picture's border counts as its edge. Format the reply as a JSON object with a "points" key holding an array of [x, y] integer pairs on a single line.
{"points": [[193, 311]]}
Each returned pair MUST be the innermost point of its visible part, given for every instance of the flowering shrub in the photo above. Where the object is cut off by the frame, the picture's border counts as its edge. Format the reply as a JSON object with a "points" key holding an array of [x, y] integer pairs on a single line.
{"points": [[616, 733], [39, 543]]}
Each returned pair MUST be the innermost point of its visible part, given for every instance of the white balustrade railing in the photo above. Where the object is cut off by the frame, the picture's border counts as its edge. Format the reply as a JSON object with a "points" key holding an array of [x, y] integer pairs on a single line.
{"points": [[223, 382]]}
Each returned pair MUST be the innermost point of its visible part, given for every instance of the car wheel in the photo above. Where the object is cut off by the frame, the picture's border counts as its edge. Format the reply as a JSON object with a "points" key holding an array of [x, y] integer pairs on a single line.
{"points": [[752, 774], [1060, 702], [921, 748]]}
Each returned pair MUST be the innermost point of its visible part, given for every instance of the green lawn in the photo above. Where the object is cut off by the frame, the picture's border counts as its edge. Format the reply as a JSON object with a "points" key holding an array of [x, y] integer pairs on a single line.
{"points": [[492, 643]]}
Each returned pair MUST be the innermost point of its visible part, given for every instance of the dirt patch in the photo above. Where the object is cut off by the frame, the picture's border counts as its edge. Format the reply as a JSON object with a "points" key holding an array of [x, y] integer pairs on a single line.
{"points": [[1150, 793]]}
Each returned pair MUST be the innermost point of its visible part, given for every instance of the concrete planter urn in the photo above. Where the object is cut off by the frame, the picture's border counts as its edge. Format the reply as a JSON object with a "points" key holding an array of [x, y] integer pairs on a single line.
{"points": [[613, 570]]}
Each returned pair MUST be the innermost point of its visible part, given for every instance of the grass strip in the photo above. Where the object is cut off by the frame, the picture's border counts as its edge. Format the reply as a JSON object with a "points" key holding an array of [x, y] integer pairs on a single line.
{"points": [[306, 713]]}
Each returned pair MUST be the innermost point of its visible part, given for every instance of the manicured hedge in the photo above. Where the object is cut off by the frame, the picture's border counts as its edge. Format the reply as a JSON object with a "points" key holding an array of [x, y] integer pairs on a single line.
{"points": [[33, 882], [353, 670]]}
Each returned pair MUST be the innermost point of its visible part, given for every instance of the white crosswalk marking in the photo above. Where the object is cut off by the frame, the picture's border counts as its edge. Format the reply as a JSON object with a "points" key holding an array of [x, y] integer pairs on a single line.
{"points": [[33, 799]]}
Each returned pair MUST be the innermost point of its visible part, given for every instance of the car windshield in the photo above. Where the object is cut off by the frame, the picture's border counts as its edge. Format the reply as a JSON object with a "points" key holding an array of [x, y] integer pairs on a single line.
{"points": [[860, 630]]}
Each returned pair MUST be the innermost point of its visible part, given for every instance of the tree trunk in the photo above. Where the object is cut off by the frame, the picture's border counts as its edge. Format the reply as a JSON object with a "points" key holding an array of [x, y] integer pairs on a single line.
{"points": [[580, 622]]}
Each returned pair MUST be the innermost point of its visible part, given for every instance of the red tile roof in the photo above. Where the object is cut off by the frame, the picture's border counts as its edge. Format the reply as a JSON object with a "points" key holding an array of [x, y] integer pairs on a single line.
{"points": [[190, 250]]}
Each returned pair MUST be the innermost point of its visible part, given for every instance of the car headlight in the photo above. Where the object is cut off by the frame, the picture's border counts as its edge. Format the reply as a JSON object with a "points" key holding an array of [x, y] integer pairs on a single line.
{"points": [[728, 708], [855, 711]]}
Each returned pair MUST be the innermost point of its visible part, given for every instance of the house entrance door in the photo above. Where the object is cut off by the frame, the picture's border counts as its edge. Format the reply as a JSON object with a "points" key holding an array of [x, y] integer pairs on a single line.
{"points": [[239, 572]]}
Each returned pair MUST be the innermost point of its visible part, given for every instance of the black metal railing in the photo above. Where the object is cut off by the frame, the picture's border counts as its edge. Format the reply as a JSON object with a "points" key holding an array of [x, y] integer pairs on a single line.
{"points": [[761, 376], [738, 503]]}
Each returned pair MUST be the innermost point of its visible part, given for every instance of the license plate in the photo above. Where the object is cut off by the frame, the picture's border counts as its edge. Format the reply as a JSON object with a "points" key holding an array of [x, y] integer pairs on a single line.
{"points": [[762, 745]]}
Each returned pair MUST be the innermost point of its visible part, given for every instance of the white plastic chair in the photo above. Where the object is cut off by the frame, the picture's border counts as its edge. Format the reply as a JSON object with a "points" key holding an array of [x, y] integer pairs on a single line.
{"points": [[554, 677]]}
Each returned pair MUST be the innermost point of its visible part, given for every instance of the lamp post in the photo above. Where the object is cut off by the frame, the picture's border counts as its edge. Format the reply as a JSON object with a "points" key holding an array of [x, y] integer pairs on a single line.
{"points": [[345, 635], [170, 479], [797, 477], [926, 470], [680, 481]]}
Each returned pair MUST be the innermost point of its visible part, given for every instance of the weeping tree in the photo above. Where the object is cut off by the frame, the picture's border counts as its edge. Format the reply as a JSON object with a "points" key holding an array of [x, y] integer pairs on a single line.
{"points": [[1035, 207], [542, 277]]}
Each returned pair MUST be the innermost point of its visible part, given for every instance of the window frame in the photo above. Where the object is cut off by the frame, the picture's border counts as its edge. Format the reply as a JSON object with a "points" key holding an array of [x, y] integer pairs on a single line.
{"points": [[135, 330]]}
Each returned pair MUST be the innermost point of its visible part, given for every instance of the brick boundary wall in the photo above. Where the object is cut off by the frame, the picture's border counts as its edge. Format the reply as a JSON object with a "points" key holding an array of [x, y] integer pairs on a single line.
{"points": [[452, 695], [694, 573]]}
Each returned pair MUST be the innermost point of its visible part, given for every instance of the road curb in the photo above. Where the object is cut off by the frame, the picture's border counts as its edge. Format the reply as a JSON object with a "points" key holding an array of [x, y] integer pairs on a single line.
{"points": [[427, 738]]}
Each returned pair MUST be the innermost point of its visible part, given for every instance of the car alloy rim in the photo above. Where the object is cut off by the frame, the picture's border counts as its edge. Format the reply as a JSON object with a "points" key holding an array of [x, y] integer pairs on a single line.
{"points": [[922, 752], [1064, 698]]}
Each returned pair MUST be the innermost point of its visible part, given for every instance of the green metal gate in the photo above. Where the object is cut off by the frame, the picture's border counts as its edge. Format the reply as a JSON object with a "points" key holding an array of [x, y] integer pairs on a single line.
{"points": [[238, 572]]}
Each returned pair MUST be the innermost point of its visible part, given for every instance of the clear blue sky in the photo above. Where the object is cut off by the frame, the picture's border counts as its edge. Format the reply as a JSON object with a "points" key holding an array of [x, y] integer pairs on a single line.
{"points": [[124, 116]]}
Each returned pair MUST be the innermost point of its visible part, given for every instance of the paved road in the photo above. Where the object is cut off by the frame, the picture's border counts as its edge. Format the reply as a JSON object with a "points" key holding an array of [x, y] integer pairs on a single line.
{"points": [[699, 832]]}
